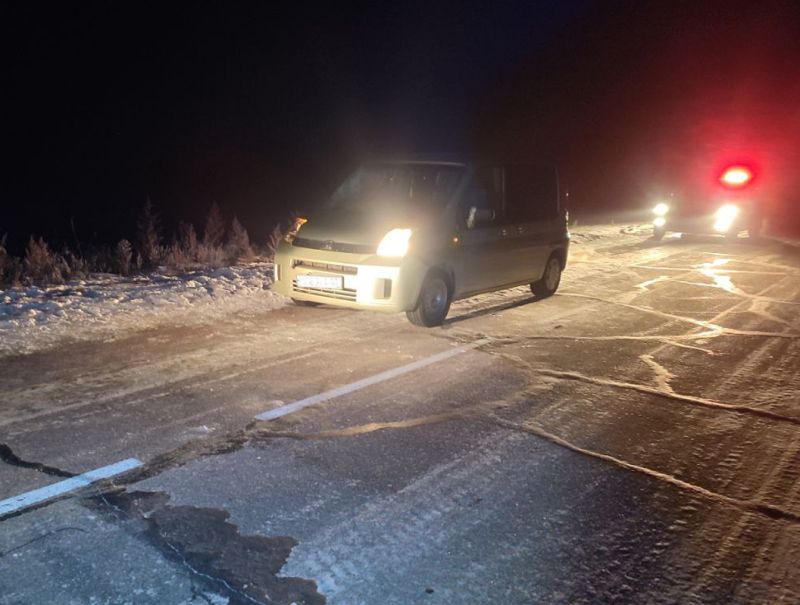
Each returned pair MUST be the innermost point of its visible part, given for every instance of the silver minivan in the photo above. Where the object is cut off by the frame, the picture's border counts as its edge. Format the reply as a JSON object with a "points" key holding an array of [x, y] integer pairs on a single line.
{"points": [[414, 235]]}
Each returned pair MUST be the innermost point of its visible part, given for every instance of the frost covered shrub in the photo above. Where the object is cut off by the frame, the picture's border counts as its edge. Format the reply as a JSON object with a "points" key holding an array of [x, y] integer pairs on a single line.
{"points": [[123, 255], [185, 251], [148, 239], [42, 265], [10, 266], [76, 266], [273, 240], [187, 240], [214, 232], [238, 246], [11, 271], [175, 258], [211, 256]]}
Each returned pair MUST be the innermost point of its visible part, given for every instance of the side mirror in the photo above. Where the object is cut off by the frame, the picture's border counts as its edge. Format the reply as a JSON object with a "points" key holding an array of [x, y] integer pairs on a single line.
{"points": [[478, 216]]}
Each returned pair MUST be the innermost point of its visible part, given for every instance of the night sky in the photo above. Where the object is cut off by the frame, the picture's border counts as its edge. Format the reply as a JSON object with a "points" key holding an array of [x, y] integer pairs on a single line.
{"points": [[264, 109]]}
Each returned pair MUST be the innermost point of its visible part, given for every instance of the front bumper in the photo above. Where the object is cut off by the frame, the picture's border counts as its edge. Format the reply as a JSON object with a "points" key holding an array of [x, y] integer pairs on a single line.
{"points": [[367, 280], [700, 225]]}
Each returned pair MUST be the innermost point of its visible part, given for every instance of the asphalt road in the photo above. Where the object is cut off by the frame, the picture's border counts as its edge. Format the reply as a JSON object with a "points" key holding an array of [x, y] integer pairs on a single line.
{"points": [[633, 439]]}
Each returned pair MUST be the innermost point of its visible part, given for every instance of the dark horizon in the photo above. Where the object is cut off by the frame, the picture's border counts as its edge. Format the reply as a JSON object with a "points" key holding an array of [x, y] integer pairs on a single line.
{"points": [[263, 111]]}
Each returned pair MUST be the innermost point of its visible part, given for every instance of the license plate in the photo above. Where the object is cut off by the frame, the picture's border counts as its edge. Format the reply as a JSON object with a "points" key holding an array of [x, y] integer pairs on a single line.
{"points": [[320, 282]]}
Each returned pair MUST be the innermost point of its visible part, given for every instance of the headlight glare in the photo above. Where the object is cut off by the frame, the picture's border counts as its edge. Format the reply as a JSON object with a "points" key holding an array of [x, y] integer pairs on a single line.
{"points": [[725, 217], [395, 243], [659, 221], [660, 209]]}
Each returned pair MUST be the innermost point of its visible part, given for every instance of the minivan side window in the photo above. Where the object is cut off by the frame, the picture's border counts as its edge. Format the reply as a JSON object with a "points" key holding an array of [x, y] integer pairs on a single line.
{"points": [[487, 190], [531, 193]]}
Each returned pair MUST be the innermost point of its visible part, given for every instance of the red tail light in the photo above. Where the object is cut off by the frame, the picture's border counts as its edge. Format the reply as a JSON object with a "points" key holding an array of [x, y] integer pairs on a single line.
{"points": [[736, 177]]}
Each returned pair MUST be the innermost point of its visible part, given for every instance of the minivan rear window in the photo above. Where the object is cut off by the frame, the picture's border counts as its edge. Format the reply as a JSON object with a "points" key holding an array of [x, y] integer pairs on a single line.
{"points": [[409, 187]]}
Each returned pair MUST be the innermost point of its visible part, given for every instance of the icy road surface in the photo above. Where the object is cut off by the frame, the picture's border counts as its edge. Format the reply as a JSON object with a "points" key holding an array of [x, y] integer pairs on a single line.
{"points": [[633, 439]]}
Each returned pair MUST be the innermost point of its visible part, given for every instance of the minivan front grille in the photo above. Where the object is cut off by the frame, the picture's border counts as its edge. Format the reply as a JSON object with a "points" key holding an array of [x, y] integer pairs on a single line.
{"points": [[307, 264], [316, 244], [339, 294]]}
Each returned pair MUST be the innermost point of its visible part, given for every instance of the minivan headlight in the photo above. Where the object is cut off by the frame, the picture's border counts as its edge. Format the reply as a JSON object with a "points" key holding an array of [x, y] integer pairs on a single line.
{"points": [[394, 243]]}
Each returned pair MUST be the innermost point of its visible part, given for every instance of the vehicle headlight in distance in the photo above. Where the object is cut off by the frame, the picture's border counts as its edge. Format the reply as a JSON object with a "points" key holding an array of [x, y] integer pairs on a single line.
{"points": [[660, 209], [725, 217], [659, 221], [394, 243]]}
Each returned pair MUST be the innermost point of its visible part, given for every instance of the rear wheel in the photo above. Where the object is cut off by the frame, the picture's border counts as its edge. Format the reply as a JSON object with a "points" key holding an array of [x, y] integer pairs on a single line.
{"points": [[433, 304], [548, 285]]}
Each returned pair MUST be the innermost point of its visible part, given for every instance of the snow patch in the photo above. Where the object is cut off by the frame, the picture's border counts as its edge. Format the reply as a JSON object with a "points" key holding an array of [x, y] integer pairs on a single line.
{"points": [[107, 307]]}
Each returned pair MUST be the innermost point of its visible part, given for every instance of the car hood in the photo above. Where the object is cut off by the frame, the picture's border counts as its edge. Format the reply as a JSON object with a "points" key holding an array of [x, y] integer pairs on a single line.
{"points": [[365, 228]]}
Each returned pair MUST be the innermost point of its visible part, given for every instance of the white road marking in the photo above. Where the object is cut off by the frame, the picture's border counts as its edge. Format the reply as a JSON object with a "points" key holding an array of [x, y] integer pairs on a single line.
{"points": [[365, 382], [49, 492]]}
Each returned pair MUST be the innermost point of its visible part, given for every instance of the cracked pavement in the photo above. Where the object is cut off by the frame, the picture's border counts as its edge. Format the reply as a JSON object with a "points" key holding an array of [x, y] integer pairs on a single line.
{"points": [[632, 439]]}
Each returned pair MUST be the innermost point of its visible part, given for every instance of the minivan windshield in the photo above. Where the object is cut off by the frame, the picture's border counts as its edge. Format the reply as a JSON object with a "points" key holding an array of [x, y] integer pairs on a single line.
{"points": [[398, 187]]}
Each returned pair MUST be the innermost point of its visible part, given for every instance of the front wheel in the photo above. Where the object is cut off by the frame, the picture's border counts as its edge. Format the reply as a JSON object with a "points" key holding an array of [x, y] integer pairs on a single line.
{"points": [[433, 304], [548, 285]]}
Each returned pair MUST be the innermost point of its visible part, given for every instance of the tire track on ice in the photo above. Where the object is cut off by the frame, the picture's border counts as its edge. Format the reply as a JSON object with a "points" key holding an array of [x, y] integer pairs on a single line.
{"points": [[729, 551], [345, 556], [750, 505], [667, 394]]}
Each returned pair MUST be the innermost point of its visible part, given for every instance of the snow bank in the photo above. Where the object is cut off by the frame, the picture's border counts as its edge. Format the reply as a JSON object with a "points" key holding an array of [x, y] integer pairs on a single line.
{"points": [[106, 307]]}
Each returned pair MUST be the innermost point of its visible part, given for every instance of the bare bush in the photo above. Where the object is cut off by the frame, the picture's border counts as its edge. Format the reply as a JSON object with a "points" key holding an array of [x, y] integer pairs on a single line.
{"points": [[76, 266], [214, 233], [174, 257], [101, 260], [211, 256], [10, 266], [274, 238], [42, 265], [187, 239], [184, 252], [148, 240], [238, 246], [11, 271], [123, 255]]}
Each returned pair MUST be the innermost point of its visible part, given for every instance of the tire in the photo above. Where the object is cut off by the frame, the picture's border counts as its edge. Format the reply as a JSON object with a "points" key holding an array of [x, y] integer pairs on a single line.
{"points": [[548, 285], [659, 233], [433, 303], [305, 303]]}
